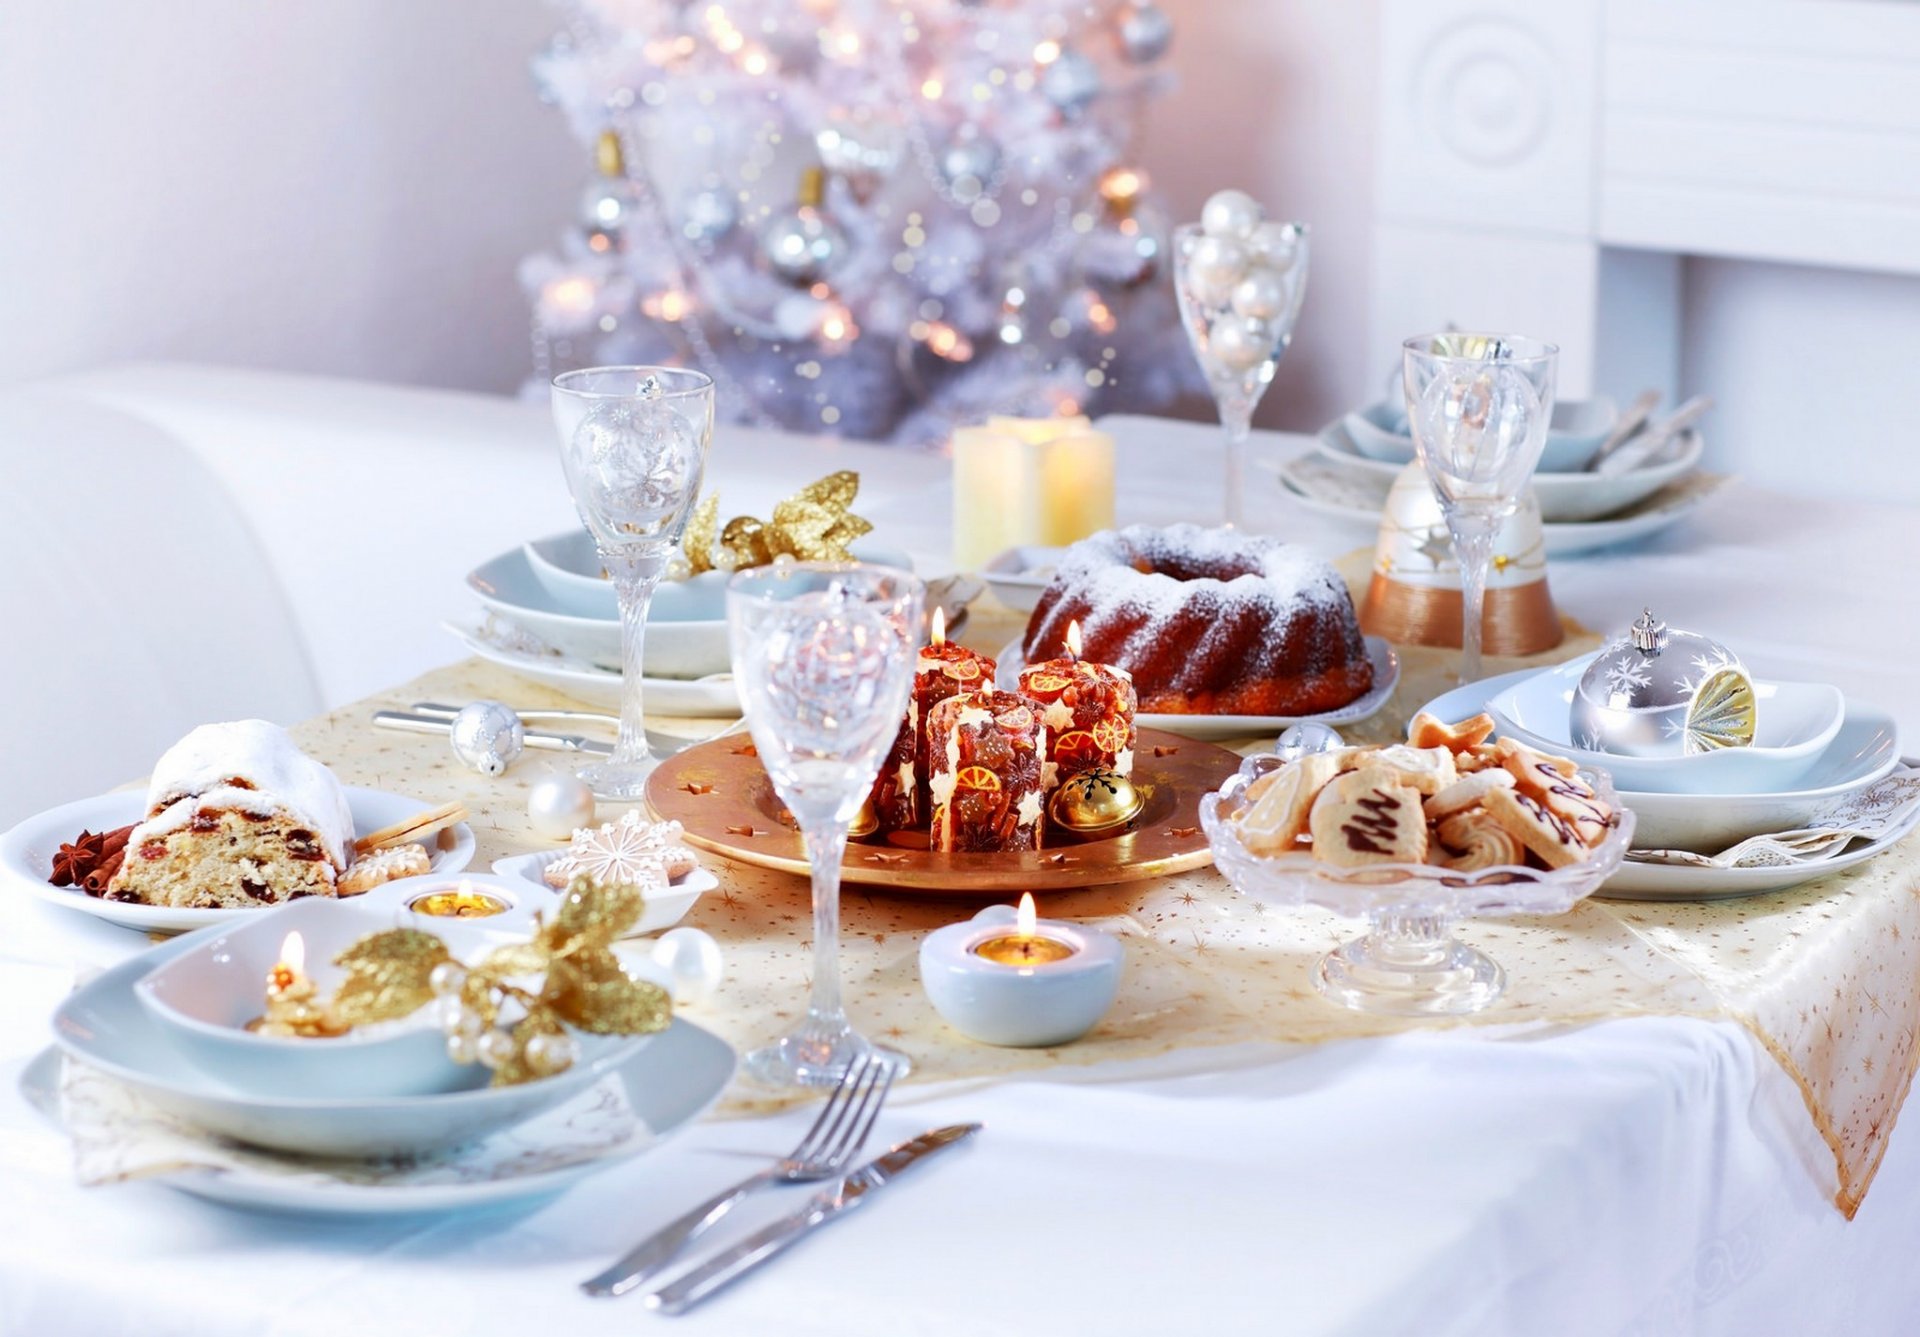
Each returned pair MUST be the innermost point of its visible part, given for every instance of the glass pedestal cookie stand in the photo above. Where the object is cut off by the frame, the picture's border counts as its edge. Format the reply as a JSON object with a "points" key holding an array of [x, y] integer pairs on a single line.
{"points": [[1408, 963]]}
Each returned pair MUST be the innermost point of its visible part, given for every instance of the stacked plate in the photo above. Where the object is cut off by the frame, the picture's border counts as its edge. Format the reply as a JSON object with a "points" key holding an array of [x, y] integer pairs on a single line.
{"points": [[377, 1120], [1813, 750], [1355, 460]]}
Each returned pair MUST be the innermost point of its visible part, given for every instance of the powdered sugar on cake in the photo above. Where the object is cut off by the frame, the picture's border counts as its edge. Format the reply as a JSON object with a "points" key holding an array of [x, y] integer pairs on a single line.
{"points": [[275, 776]]}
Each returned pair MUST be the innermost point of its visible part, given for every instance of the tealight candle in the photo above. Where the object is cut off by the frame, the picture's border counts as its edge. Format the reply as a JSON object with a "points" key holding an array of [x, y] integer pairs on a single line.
{"points": [[290, 1006], [1011, 978], [1019, 481], [460, 902]]}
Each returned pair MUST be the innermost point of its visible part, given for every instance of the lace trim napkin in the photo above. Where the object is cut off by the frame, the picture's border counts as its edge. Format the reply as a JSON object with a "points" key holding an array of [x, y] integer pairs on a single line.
{"points": [[119, 1135], [1880, 810]]}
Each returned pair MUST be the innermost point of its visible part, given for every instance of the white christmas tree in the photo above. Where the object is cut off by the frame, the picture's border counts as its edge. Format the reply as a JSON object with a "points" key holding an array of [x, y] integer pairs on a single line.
{"points": [[879, 218]]}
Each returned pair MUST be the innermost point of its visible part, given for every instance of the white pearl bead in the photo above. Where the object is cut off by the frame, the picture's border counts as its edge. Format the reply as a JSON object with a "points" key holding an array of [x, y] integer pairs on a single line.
{"points": [[1214, 266], [1276, 243], [1230, 213], [1261, 295], [692, 958], [559, 804], [496, 1049], [1239, 344]]}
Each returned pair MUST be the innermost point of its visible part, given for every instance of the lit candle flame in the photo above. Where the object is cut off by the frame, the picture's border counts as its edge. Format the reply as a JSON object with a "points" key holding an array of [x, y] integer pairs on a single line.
{"points": [[293, 952], [1026, 921], [1073, 638], [939, 626]]}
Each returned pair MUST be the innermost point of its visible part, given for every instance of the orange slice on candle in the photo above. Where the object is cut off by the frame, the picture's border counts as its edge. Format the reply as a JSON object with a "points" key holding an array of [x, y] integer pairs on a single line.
{"points": [[1016, 721], [977, 777], [964, 670], [1047, 682], [1076, 746], [1110, 735]]}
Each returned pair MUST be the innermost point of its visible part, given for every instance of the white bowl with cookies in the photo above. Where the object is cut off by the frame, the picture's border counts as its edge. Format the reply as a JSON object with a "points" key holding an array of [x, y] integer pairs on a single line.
{"points": [[633, 849], [1413, 836]]}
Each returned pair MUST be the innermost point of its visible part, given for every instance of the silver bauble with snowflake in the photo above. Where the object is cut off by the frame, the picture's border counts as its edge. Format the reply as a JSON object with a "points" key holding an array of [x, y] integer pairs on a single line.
{"points": [[487, 736], [1662, 692]]}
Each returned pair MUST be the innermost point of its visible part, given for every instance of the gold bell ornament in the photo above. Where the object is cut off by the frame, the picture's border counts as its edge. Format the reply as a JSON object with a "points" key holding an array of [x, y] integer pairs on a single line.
{"points": [[1414, 595]]}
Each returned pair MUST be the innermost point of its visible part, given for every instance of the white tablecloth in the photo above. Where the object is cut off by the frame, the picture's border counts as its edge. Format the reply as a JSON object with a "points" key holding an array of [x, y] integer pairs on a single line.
{"points": [[1649, 1176]]}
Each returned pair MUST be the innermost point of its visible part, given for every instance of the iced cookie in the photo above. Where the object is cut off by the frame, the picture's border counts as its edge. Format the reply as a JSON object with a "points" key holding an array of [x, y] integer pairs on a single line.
{"points": [[1466, 792], [1474, 839], [1431, 731], [1366, 817], [388, 865], [1427, 769], [1277, 817], [1563, 791], [631, 849], [1526, 764], [1535, 825]]}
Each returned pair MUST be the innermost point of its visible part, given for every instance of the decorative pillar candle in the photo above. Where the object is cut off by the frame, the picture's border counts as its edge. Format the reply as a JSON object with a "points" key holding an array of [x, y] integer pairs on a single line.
{"points": [[944, 669], [1088, 711], [985, 778], [1028, 481]]}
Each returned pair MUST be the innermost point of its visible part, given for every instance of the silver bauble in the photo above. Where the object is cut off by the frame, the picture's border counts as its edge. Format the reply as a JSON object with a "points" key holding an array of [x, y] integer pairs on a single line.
{"points": [[1302, 740], [968, 166], [1071, 82], [803, 245], [487, 736], [607, 205], [1276, 243], [708, 216], [692, 961], [1213, 267], [1661, 692], [1261, 295], [559, 804], [1238, 344], [1145, 33]]}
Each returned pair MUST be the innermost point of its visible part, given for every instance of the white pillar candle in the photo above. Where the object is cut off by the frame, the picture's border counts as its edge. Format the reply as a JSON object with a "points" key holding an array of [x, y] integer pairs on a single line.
{"points": [[1028, 481]]}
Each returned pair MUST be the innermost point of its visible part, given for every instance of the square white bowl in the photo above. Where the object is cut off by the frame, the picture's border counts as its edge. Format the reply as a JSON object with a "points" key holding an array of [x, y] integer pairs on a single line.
{"points": [[662, 911]]}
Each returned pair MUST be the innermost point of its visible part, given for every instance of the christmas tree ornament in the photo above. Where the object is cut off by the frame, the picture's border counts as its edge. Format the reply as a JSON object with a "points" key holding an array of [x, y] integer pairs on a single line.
{"points": [[693, 963], [1303, 740], [1238, 343], [1145, 33], [1261, 295], [1232, 214], [1414, 597], [1215, 267], [1094, 801], [708, 216], [487, 736], [609, 202], [1276, 244], [815, 524], [968, 166], [1071, 82], [1662, 692], [559, 804], [803, 245]]}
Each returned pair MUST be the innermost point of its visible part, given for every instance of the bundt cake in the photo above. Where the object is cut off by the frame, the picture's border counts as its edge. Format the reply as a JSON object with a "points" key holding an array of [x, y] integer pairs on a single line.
{"points": [[1208, 621], [237, 816]]}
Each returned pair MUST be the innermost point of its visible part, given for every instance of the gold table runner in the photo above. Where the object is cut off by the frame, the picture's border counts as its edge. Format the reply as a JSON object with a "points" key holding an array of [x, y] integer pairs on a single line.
{"points": [[1826, 976]]}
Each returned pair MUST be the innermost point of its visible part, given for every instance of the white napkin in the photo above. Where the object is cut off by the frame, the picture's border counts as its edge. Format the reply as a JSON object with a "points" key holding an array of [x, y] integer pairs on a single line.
{"points": [[1876, 811], [120, 1135]]}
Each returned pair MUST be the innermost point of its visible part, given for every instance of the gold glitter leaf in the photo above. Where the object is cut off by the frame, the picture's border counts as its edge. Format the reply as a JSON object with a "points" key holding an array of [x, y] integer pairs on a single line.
{"points": [[591, 991], [387, 975], [591, 914], [703, 531], [813, 524]]}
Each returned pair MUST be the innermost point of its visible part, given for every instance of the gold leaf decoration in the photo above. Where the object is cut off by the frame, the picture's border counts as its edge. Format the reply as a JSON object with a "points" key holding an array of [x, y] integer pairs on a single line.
{"points": [[814, 524], [387, 975], [591, 914], [596, 995]]}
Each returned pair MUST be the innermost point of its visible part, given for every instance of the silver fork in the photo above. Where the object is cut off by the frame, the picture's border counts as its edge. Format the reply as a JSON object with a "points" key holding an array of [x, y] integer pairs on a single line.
{"points": [[824, 1153]]}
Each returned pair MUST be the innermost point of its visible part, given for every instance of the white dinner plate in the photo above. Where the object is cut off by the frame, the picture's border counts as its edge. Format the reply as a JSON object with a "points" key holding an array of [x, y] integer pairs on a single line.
{"points": [[1576, 429], [1563, 497], [26, 854], [1212, 728], [1865, 750], [663, 909], [711, 697], [1018, 575], [1679, 882], [675, 649], [1317, 484]]}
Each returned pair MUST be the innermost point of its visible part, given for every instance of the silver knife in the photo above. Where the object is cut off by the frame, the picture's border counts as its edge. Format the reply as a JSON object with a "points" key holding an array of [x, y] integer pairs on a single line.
{"points": [[691, 1287]]}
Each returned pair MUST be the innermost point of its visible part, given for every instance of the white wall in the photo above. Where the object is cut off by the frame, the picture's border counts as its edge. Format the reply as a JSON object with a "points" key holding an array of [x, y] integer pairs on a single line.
{"points": [[342, 186], [346, 188]]}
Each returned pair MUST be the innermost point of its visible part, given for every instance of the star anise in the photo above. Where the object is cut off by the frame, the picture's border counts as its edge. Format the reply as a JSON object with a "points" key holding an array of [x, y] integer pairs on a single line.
{"points": [[77, 858]]}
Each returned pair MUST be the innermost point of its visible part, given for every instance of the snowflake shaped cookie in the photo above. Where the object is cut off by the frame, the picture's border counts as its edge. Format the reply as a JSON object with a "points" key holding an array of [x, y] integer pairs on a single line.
{"points": [[631, 850]]}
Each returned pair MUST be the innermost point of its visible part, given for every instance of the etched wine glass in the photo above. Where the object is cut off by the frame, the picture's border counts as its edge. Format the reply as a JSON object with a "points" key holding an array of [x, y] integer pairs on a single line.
{"points": [[1478, 406], [823, 653], [633, 442], [1239, 298]]}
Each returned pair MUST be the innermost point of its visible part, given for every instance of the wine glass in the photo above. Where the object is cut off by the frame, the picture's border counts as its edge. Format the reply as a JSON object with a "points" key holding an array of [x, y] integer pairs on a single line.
{"points": [[1478, 406], [1240, 292], [823, 653], [633, 442]]}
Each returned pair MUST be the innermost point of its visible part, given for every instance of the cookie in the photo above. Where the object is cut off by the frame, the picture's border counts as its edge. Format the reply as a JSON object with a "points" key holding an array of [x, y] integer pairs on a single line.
{"points": [[1277, 817], [1563, 791], [1427, 769], [1526, 763], [1542, 830], [1431, 731], [1368, 817], [1472, 839], [1479, 757], [388, 865], [1466, 792], [632, 850]]}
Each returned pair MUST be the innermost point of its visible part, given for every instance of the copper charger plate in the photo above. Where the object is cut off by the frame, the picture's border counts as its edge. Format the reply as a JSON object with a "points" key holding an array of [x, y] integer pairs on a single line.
{"points": [[720, 794]]}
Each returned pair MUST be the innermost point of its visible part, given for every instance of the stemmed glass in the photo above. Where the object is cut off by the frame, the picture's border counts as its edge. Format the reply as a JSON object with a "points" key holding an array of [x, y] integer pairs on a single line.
{"points": [[1478, 406], [633, 442], [1239, 298], [823, 653]]}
